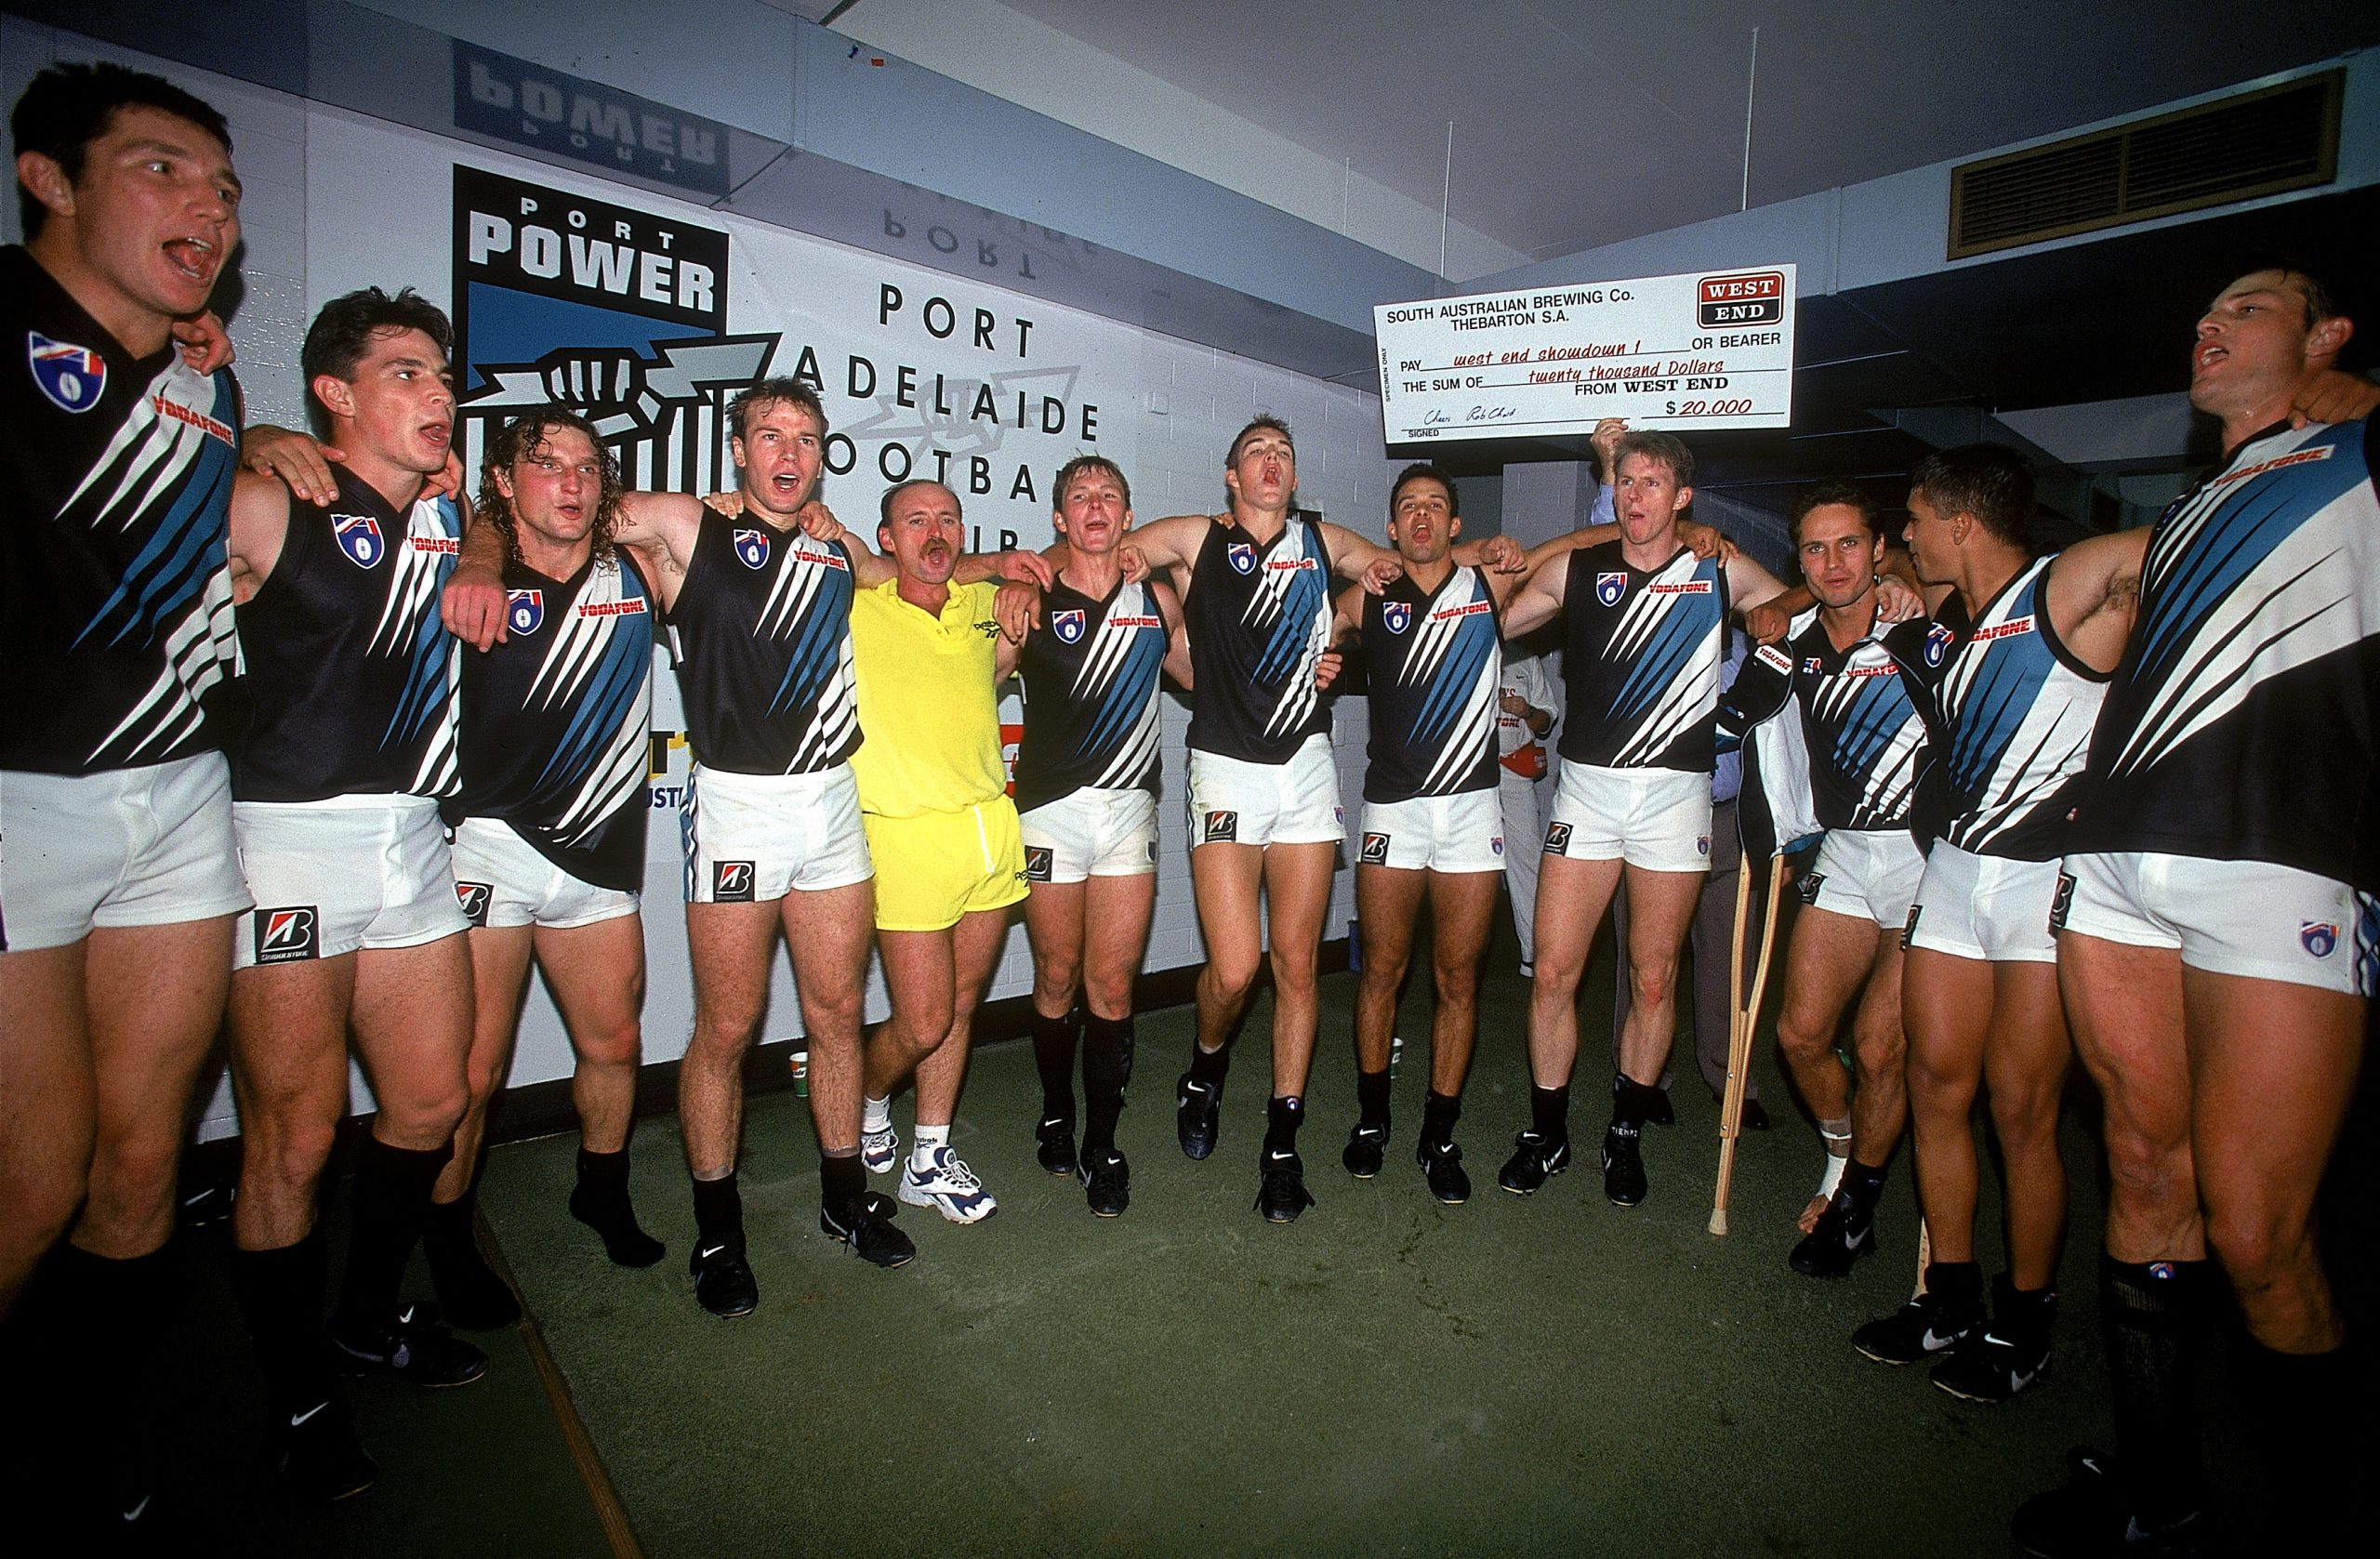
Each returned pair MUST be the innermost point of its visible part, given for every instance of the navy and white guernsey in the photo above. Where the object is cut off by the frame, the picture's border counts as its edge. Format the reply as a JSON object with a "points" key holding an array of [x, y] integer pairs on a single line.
{"points": [[116, 584], [2245, 721], [1433, 662], [1641, 652], [2009, 713], [764, 620], [556, 721], [1865, 736], [1090, 680], [350, 675], [1260, 621]]}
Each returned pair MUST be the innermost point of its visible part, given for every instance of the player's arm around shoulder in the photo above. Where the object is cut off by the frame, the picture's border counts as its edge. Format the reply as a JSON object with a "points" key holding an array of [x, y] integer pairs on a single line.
{"points": [[1177, 635], [1749, 584], [1544, 587], [2093, 593], [260, 528]]}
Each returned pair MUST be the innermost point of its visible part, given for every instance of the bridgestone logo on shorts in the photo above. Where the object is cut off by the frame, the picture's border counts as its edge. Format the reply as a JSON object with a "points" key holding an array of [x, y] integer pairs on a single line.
{"points": [[1808, 886], [1375, 849], [289, 934], [1037, 863], [2060, 902], [1557, 838], [1910, 929], [731, 882], [1222, 827], [473, 897]]}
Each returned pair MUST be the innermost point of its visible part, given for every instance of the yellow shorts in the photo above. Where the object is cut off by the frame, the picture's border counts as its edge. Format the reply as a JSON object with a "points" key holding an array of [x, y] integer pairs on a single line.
{"points": [[935, 867]]}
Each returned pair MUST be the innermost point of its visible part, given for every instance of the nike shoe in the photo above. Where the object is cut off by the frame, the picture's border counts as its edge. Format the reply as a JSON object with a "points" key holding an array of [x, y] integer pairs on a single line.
{"points": [[1841, 1237], [2009, 1356], [881, 1151], [1623, 1167], [949, 1186], [1197, 1111], [1923, 1328], [1442, 1168], [1364, 1145], [1054, 1145], [412, 1346], [1106, 1183], [1534, 1161], [865, 1225], [322, 1460], [2089, 1515], [723, 1281], [1280, 1188]]}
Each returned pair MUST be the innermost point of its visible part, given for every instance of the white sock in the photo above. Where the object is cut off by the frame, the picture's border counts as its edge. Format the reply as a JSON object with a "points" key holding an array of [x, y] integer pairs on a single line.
{"points": [[929, 1139], [875, 1114]]}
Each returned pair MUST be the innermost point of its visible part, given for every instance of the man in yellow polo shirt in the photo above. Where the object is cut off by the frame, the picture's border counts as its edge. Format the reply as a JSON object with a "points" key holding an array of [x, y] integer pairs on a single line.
{"points": [[941, 829]]}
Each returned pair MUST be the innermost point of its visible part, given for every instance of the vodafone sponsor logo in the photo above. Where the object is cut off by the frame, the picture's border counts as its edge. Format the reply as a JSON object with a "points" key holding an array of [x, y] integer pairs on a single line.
{"points": [[610, 608], [1683, 588], [2278, 462], [445, 544], [2008, 629], [197, 420], [1468, 609]]}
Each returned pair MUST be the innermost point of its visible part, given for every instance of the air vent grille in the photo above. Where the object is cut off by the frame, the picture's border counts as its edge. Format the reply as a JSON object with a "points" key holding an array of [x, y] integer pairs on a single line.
{"points": [[2260, 143]]}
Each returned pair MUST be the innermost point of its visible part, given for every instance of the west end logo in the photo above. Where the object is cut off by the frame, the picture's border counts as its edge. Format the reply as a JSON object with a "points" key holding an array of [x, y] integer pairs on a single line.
{"points": [[524, 610], [752, 548], [359, 536], [1067, 624], [1610, 587], [72, 377], [1242, 557], [1395, 616]]}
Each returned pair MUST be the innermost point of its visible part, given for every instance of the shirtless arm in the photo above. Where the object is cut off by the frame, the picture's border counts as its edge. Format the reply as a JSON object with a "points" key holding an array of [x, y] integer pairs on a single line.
{"points": [[2093, 588], [1177, 636], [259, 524], [1545, 587]]}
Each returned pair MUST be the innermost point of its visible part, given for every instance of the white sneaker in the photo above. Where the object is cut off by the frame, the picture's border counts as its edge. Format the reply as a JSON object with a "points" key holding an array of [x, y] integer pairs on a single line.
{"points": [[880, 1150], [949, 1186]]}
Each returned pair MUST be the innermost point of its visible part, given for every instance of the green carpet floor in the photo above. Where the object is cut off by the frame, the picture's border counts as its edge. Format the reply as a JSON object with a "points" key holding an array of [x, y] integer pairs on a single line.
{"points": [[1386, 1376]]}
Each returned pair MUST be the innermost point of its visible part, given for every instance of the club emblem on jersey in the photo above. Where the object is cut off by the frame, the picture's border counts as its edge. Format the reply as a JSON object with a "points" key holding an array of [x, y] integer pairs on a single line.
{"points": [[1037, 863], [287, 935], [359, 536], [1395, 616], [1938, 643], [523, 610], [1222, 827], [1375, 849], [72, 377], [473, 897], [2320, 936], [1067, 624], [1610, 587], [1241, 556], [1557, 838], [731, 882], [752, 548]]}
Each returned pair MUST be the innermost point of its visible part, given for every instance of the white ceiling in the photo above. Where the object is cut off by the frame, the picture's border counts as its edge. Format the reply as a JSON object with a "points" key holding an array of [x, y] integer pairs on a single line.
{"points": [[1579, 123]]}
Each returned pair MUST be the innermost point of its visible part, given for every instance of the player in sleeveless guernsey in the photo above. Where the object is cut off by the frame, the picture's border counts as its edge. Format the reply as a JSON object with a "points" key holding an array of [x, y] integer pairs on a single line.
{"points": [[1867, 753], [1644, 619], [2217, 949], [760, 611], [2009, 677], [350, 743], [549, 831], [1086, 792], [1433, 823], [1264, 792], [931, 654], [117, 885]]}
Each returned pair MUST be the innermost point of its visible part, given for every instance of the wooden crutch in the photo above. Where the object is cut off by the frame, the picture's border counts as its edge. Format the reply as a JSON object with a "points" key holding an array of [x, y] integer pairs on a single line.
{"points": [[1742, 1021]]}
